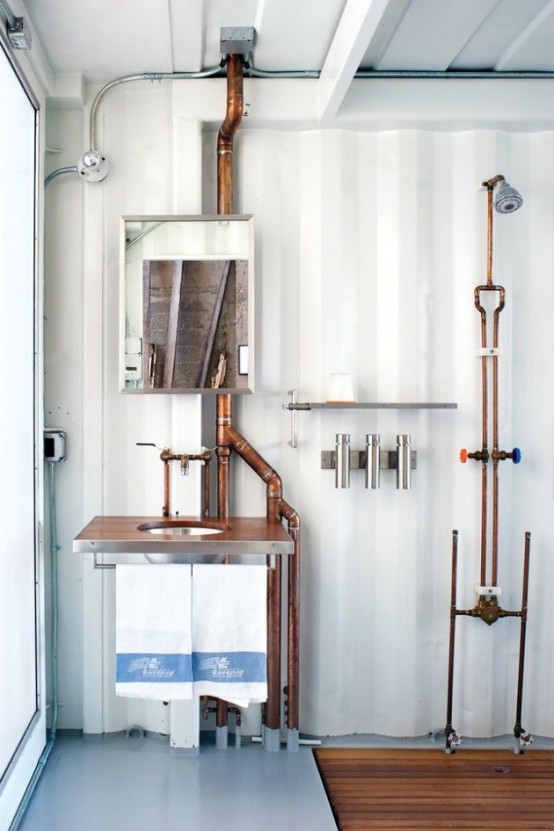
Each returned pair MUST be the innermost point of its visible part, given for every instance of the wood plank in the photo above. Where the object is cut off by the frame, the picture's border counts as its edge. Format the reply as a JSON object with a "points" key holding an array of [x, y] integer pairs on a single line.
{"points": [[425, 789], [212, 328], [177, 276], [146, 281]]}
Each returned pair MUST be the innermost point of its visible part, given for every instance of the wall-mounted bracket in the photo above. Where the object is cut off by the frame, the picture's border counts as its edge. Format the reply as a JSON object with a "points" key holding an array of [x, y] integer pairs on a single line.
{"points": [[388, 460]]}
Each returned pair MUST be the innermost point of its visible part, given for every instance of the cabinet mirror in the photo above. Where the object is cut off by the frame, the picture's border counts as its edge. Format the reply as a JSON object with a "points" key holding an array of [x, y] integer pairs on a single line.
{"points": [[187, 300]]}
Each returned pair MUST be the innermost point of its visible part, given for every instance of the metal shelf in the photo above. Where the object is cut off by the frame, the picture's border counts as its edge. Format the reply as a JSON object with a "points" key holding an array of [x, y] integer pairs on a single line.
{"points": [[369, 405], [294, 406]]}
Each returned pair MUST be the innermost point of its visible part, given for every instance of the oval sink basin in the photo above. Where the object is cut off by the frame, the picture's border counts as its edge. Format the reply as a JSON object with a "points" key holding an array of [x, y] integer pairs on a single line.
{"points": [[179, 528], [184, 528]]}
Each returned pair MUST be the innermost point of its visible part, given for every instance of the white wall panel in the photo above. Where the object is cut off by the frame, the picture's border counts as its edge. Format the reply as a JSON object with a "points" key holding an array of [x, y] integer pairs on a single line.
{"points": [[388, 244]]}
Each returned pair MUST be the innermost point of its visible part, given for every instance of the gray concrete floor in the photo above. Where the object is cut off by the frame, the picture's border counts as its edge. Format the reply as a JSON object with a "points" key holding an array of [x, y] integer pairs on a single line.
{"points": [[115, 783], [120, 784]]}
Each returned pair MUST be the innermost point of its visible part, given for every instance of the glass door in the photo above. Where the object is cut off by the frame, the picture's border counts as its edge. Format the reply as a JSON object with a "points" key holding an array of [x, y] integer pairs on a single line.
{"points": [[22, 732]]}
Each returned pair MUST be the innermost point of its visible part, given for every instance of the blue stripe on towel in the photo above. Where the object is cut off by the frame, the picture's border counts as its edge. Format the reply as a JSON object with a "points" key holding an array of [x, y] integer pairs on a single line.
{"points": [[229, 667], [153, 667]]}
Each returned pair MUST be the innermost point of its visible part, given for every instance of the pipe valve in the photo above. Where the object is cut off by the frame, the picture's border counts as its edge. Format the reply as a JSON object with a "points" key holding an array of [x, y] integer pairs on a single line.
{"points": [[502, 455], [479, 455]]}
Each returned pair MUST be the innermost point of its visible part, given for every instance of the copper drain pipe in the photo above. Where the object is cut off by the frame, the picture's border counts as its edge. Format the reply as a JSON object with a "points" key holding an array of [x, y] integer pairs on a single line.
{"points": [[487, 608], [228, 439]]}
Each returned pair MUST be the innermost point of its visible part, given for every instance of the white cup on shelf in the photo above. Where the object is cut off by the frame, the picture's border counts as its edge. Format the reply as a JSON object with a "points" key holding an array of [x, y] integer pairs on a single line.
{"points": [[341, 388]]}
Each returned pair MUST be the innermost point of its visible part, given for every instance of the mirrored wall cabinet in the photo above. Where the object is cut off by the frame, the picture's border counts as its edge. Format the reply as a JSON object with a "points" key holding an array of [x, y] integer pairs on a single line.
{"points": [[187, 304]]}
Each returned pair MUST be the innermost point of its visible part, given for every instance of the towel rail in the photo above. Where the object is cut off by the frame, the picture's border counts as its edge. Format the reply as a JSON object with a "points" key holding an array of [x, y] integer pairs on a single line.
{"points": [[270, 565]]}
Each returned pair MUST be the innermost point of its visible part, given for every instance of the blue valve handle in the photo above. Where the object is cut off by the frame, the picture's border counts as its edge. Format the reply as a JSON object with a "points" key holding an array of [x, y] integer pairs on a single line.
{"points": [[516, 455]]}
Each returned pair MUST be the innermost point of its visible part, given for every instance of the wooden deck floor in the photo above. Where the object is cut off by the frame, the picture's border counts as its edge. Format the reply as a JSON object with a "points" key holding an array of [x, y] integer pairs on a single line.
{"points": [[484, 790]]}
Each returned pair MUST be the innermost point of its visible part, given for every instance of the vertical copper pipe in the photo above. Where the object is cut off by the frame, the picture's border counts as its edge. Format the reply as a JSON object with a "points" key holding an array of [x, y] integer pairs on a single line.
{"points": [[165, 509], [484, 515], [206, 482], [229, 439], [495, 438], [489, 234], [293, 623], [273, 705], [484, 432], [225, 138], [452, 643], [494, 540], [223, 451], [230, 125], [523, 631], [231, 122]]}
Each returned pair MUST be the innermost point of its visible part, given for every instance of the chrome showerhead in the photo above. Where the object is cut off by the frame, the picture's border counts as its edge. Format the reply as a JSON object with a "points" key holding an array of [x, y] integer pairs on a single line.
{"points": [[507, 199]]}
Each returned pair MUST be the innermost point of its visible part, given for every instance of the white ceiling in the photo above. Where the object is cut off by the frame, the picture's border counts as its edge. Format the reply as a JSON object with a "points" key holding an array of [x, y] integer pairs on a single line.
{"points": [[106, 39]]}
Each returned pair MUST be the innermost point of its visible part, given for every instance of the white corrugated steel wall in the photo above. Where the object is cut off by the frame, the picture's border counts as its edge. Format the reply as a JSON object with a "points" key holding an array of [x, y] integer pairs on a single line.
{"points": [[369, 246]]}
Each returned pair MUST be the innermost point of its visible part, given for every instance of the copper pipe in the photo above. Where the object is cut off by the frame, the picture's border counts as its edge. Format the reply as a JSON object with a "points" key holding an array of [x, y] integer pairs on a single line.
{"points": [[273, 705], [484, 430], [449, 730], [484, 376], [231, 122], [495, 437], [489, 233], [206, 477], [229, 439], [167, 456], [225, 137], [494, 541], [293, 624], [223, 451], [484, 515], [230, 125], [165, 509], [489, 287], [244, 449], [518, 730], [277, 508]]}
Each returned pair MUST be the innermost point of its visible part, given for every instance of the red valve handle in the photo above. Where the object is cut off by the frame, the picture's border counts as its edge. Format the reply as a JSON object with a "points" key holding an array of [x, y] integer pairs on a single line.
{"points": [[463, 455]]}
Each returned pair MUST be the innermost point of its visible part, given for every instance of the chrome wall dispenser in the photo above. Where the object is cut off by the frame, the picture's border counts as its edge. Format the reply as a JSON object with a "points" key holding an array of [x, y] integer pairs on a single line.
{"points": [[372, 460]]}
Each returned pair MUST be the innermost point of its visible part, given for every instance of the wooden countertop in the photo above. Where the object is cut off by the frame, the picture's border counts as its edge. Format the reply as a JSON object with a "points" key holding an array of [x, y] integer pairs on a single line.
{"points": [[237, 535]]}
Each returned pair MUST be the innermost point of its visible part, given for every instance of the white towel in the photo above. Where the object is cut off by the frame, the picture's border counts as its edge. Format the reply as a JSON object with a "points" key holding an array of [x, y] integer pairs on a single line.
{"points": [[153, 632], [229, 632]]}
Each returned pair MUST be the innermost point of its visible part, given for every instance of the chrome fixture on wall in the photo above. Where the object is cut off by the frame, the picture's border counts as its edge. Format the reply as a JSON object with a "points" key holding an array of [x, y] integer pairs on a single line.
{"points": [[342, 460], [506, 199], [403, 467], [371, 460]]}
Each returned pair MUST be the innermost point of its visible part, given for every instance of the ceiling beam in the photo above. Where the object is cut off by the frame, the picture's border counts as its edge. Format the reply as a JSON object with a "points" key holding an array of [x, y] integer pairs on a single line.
{"points": [[510, 56], [358, 24]]}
